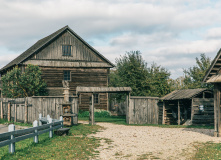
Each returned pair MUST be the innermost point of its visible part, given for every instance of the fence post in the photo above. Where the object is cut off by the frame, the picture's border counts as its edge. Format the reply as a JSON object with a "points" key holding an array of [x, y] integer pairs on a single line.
{"points": [[35, 124], [48, 117], [51, 129], [11, 127], [61, 119], [40, 116]]}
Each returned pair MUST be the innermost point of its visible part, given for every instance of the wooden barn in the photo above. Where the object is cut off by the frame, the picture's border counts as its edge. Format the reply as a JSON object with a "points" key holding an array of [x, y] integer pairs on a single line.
{"points": [[64, 55], [213, 75], [192, 106]]}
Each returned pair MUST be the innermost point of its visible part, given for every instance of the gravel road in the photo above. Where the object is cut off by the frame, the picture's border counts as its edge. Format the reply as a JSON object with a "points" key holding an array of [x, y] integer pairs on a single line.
{"points": [[136, 142]]}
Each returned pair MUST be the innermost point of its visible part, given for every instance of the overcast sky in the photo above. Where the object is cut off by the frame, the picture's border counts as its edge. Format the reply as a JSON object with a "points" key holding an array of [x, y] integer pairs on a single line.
{"points": [[170, 33]]}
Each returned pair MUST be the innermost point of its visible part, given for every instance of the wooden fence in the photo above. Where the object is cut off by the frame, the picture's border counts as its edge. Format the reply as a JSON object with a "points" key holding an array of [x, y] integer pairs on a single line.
{"points": [[13, 136], [27, 109], [144, 110], [202, 111]]}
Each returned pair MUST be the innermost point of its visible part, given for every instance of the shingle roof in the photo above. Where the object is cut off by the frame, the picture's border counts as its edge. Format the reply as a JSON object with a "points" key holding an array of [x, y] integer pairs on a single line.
{"points": [[183, 94], [43, 42]]}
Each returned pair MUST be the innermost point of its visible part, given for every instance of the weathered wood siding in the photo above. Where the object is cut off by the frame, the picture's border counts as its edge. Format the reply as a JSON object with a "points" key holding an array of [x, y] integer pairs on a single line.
{"points": [[118, 108], [143, 110], [80, 52], [205, 117], [36, 105]]}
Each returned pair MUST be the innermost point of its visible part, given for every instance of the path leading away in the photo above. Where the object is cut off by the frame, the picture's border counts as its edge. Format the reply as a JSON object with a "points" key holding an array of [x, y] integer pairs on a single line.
{"points": [[133, 142]]}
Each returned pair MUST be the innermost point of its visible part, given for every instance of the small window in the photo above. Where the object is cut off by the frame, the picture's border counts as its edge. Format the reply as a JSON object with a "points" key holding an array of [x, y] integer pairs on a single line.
{"points": [[96, 98], [67, 75], [66, 50]]}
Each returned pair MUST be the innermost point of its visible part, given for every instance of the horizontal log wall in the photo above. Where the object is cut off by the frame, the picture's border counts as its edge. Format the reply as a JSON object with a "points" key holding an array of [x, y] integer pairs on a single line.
{"points": [[143, 110], [205, 117], [28, 109]]}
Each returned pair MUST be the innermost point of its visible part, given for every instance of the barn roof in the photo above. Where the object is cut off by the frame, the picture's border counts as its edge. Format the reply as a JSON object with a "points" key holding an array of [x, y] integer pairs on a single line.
{"points": [[102, 89], [45, 41], [183, 94], [211, 74]]}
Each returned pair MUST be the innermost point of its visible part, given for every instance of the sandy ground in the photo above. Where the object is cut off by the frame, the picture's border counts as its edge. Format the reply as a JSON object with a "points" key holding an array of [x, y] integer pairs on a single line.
{"points": [[134, 142], [4, 128]]}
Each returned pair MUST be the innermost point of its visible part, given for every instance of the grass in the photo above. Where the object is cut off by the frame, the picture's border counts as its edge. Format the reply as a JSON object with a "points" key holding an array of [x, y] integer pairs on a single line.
{"points": [[207, 151], [75, 146], [122, 121]]}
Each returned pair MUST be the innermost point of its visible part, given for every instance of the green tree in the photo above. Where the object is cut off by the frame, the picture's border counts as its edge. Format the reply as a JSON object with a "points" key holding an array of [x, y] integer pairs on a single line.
{"points": [[23, 84], [193, 76], [132, 71]]}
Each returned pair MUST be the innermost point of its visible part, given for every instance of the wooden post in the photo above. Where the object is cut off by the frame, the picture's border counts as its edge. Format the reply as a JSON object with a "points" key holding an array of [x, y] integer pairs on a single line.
{"points": [[163, 117], [61, 119], [2, 109], [11, 147], [216, 105], [192, 110], [35, 124], [91, 120], [178, 112], [40, 116], [26, 111], [9, 111], [15, 119], [218, 113]]}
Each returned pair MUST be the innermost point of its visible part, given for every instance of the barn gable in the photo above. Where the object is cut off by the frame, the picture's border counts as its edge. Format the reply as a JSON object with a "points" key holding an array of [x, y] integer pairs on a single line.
{"points": [[213, 73], [48, 52]]}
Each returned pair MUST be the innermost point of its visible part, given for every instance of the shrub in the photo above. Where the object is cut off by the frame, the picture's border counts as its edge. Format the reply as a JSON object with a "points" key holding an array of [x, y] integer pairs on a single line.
{"points": [[97, 113]]}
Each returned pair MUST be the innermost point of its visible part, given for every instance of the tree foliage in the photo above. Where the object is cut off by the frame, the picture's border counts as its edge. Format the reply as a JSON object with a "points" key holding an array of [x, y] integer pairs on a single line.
{"points": [[132, 71], [193, 76], [23, 84]]}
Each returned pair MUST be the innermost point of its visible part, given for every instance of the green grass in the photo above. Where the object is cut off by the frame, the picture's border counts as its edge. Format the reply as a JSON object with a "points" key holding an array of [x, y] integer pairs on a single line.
{"points": [[75, 146], [122, 121], [207, 151], [4, 121]]}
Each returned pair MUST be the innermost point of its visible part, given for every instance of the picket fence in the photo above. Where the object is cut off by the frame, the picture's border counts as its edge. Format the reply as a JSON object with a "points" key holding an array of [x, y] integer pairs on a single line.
{"points": [[13, 136]]}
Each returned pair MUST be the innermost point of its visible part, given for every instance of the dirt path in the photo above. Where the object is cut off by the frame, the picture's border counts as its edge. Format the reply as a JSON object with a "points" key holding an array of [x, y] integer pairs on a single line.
{"points": [[134, 142]]}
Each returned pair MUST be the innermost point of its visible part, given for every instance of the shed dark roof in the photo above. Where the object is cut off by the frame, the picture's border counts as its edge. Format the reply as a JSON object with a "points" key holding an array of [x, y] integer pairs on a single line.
{"points": [[183, 94], [102, 89], [43, 42]]}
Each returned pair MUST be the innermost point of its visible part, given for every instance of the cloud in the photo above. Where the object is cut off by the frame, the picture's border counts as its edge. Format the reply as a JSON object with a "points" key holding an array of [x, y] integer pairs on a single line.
{"points": [[170, 33]]}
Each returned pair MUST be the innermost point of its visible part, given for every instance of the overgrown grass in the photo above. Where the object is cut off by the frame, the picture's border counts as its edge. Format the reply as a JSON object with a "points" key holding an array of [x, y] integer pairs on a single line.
{"points": [[207, 151], [75, 146]]}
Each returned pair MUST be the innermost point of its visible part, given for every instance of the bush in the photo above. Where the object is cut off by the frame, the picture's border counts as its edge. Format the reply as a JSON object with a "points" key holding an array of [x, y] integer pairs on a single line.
{"points": [[97, 113]]}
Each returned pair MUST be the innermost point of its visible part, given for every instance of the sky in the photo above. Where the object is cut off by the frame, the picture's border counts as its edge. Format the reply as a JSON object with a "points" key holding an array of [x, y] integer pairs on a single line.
{"points": [[170, 33]]}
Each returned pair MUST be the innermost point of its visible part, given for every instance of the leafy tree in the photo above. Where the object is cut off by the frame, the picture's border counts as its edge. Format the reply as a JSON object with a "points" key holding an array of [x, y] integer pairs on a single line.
{"points": [[23, 84], [132, 71], [194, 75]]}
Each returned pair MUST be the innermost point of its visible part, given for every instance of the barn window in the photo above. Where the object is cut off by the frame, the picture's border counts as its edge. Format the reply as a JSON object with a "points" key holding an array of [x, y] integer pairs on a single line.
{"points": [[66, 50], [96, 98], [67, 75]]}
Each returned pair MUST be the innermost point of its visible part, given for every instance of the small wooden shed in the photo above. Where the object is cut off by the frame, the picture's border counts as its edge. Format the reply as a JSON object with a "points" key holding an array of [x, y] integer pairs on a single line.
{"points": [[192, 106]]}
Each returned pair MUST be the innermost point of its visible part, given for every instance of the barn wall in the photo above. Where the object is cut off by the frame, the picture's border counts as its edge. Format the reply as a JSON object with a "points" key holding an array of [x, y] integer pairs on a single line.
{"points": [[205, 116], [80, 52], [22, 109], [143, 110]]}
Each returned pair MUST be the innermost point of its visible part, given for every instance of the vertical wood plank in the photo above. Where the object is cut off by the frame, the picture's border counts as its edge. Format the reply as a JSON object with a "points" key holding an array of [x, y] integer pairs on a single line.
{"points": [[163, 117], [2, 109], [215, 110], [178, 112], [91, 120], [9, 111], [15, 119], [26, 111]]}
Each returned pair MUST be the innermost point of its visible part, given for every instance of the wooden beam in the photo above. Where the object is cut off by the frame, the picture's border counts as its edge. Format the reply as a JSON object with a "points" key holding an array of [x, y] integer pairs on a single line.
{"points": [[91, 118], [9, 111], [163, 117], [178, 112], [2, 109], [216, 106]]}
